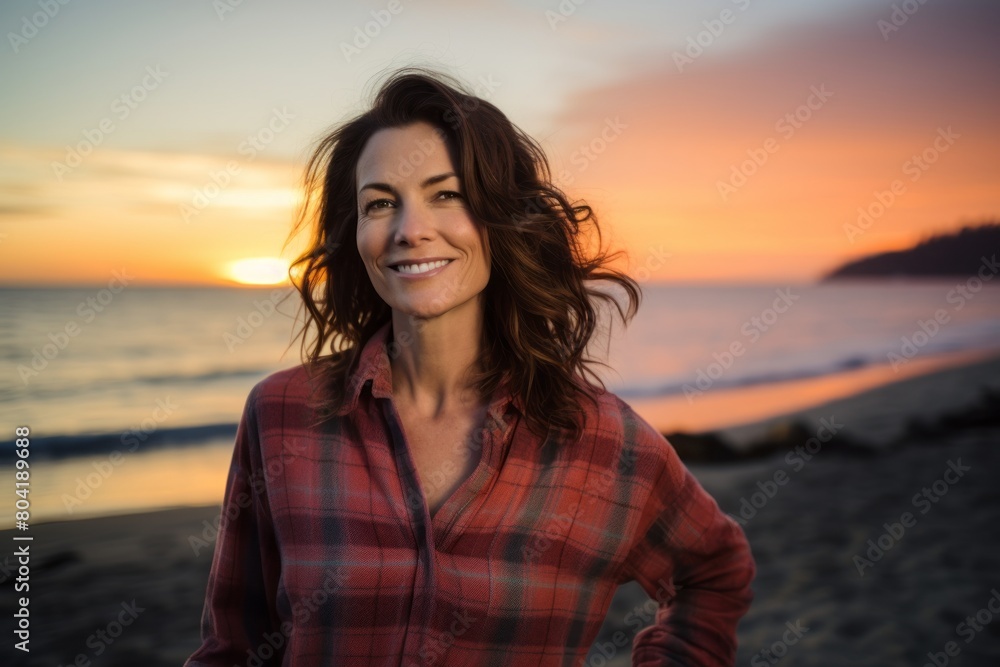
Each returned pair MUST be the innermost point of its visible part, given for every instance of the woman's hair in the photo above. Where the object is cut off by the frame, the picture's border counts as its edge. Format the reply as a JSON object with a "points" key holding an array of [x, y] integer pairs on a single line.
{"points": [[539, 311]]}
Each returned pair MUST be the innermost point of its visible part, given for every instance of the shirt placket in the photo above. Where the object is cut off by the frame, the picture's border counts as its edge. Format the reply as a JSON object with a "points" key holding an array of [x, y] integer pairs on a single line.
{"points": [[422, 606], [430, 535]]}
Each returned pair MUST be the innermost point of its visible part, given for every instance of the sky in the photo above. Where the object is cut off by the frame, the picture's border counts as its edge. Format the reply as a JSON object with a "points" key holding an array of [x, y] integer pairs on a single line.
{"points": [[726, 141]]}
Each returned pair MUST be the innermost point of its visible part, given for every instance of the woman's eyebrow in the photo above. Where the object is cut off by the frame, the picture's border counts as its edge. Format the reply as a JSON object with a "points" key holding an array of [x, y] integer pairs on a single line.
{"points": [[433, 180], [384, 187]]}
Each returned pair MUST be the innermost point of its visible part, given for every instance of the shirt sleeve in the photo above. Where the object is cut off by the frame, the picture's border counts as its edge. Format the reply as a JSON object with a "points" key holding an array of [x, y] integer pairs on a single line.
{"points": [[693, 559], [239, 613]]}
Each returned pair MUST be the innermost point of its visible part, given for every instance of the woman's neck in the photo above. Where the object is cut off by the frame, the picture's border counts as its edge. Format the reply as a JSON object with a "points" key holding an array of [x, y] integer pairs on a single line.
{"points": [[432, 362]]}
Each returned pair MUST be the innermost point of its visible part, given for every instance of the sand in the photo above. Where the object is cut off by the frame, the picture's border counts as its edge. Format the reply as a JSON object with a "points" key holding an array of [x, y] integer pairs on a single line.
{"points": [[815, 602]]}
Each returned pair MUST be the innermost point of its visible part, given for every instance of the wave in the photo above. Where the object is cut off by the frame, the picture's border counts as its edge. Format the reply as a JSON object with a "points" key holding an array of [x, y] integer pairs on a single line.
{"points": [[703, 381], [131, 440], [98, 384], [220, 374]]}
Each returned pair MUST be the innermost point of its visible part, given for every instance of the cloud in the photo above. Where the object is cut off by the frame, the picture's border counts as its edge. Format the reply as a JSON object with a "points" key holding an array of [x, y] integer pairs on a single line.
{"points": [[687, 131], [941, 63]]}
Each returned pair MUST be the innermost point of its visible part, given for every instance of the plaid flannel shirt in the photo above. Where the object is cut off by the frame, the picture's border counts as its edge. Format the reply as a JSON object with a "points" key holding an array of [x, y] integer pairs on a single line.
{"points": [[328, 555]]}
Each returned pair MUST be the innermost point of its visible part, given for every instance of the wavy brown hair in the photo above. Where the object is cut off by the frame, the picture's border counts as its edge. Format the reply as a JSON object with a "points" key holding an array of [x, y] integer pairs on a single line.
{"points": [[540, 312]]}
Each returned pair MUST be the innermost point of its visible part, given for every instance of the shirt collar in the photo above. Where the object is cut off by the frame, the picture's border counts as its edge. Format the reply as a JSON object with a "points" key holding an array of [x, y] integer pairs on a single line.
{"points": [[373, 366]]}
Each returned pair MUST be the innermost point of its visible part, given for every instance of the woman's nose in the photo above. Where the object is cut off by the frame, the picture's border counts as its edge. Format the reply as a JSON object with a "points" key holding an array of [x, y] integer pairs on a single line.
{"points": [[413, 224]]}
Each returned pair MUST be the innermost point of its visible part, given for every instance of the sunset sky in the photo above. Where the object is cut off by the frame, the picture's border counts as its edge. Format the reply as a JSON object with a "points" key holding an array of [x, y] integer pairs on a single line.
{"points": [[738, 138]]}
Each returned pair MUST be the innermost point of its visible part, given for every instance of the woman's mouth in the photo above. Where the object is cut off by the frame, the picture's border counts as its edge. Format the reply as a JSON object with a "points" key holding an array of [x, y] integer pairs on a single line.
{"points": [[420, 268]]}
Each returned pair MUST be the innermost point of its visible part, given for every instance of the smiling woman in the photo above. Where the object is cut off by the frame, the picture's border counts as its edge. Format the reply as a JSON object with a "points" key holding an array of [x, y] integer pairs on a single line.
{"points": [[461, 493]]}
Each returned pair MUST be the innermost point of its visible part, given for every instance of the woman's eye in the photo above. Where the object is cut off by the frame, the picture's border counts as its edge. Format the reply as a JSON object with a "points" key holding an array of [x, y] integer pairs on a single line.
{"points": [[377, 203], [449, 194]]}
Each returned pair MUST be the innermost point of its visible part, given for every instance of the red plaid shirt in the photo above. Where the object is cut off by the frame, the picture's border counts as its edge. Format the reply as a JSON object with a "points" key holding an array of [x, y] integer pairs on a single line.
{"points": [[327, 554]]}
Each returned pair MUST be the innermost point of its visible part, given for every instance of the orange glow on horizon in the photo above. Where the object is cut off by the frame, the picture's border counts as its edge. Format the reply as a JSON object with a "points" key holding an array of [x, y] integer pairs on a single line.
{"points": [[259, 271]]}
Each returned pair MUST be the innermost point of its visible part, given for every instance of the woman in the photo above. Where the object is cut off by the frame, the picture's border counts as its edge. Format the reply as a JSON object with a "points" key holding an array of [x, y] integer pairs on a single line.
{"points": [[445, 487]]}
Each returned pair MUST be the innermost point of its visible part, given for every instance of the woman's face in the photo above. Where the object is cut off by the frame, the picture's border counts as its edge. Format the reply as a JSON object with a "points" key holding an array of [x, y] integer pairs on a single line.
{"points": [[424, 253]]}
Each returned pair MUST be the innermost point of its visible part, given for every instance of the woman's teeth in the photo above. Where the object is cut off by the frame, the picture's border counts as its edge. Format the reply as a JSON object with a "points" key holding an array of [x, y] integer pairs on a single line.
{"points": [[421, 268]]}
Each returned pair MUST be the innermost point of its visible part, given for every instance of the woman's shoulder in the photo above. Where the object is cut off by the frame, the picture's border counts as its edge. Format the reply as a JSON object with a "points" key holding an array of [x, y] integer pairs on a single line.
{"points": [[635, 447], [286, 386], [294, 379], [280, 409], [620, 427]]}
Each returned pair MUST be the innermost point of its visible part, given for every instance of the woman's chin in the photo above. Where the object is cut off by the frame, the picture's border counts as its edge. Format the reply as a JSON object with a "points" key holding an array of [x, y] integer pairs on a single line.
{"points": [[423, 313], [454, 314]]}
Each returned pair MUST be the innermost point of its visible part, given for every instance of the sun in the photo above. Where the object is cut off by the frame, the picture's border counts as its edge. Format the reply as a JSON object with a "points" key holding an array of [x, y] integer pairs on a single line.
{"points": [[259, 271]]}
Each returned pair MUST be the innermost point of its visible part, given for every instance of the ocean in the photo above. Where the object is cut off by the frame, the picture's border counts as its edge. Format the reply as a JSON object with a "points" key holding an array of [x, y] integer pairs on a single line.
{"points": [[154, 379]]}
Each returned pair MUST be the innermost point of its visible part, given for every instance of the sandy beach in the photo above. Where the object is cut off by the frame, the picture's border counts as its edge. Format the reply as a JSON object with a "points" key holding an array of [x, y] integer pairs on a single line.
{"points": [[878, 559]]}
